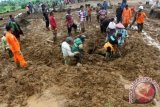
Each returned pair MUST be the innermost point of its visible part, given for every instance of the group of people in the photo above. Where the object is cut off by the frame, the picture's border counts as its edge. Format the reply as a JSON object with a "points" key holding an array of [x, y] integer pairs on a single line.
{"points": [[73, 1], [11, 42], [115, 31]]}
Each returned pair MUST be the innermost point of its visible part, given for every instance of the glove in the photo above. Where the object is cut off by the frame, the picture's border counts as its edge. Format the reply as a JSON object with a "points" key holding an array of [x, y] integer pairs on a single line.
{"points": [[75, 53]]}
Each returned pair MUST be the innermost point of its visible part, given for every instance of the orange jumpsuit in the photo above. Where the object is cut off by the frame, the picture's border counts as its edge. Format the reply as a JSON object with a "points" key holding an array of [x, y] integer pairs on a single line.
{"points": [[140, 18], [15, 47], [127, 14]]}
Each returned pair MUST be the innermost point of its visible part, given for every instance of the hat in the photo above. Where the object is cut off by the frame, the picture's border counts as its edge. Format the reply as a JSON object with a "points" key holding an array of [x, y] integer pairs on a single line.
{"points": [[141, 7], [69, 39], [112, 25], [120, 26]]}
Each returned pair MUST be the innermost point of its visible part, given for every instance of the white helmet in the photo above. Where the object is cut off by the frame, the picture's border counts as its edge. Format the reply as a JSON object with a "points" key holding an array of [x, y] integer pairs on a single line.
{"points": [[141, 7]]}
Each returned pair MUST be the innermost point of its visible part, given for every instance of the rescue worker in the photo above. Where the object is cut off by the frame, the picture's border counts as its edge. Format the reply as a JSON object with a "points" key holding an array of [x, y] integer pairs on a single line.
{"points": [[127, 14], [140, 19], [66, 50], [70, 22], [134, 18], [15, 48], [121, 29], [16, 29], [53, 24], [5, 45], [82, 18], [78, 47]]}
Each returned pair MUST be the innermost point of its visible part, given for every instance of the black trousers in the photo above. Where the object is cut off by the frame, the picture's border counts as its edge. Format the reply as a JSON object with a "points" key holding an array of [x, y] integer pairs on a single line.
{"points": [[47, 24], [140, 27], [119, 19], [70, 28]]}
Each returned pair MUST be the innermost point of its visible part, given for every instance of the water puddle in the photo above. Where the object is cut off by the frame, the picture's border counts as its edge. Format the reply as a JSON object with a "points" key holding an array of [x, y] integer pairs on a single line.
{"points": [[49, 98], [150, 41]]}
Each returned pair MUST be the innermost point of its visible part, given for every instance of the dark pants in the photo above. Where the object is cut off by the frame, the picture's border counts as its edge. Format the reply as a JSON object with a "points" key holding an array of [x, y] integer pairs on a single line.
{"points": [[47, 24], [140, 27], [70, 29], [134, 20], [10, 53], [119, 19], [98, 18], [89, 18]]}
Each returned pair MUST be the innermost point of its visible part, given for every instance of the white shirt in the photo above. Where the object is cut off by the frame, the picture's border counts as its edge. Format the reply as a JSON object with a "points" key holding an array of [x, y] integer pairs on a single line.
{"points": [[66, 49], [82, 15]]}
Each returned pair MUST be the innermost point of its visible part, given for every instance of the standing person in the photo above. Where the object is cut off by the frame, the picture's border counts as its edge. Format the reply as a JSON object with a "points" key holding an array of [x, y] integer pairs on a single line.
{"points": [[97, 12], [15, 48], [46, 18], [127, 14], [123, 4], [70, 22], [135, 16], [105, 4], [82, 18], [89, 12], [43, 7], [53, 25], [16, 29], [30, 7], [86, 9], [140, 19], [102, 14], [119, 11], [5, 45], [66, 50]]}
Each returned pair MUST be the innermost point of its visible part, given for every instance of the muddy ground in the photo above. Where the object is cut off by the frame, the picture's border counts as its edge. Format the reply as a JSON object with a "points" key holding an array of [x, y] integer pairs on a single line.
{"points": [[98, 83]]}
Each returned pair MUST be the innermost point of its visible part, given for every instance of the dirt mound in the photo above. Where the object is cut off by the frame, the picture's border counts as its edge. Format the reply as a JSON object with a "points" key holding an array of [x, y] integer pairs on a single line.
{"points": [[95, 84]]}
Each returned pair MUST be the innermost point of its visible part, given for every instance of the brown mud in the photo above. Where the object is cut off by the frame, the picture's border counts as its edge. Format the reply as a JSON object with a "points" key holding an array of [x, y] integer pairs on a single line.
{"points": [[98, 83]]}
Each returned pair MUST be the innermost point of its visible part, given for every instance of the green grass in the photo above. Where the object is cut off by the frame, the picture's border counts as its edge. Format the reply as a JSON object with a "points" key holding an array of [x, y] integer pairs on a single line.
{"points": [[4, 9]]}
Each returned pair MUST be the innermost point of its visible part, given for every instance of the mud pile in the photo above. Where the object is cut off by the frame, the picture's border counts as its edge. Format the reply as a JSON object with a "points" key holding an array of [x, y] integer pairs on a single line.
{"points": [[96, 84]]}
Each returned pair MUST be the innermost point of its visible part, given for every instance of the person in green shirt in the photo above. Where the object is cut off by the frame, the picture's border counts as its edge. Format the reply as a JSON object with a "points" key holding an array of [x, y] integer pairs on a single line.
{"points": [[78, 47], [5, 46]]}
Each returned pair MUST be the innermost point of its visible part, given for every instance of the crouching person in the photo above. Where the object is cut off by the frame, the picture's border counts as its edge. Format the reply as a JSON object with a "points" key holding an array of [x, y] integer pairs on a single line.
{"points": [[78, 47], [15, 48], [66, 50], [112, 46]]}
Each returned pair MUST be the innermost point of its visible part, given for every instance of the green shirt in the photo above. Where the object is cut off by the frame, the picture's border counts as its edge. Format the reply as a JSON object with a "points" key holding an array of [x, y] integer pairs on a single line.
{"points": [[75, 47]]}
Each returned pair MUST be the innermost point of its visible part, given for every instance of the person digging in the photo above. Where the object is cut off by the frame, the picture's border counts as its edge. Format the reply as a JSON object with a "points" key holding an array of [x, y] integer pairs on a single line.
{"points": [[66, 50], [78, 47]]}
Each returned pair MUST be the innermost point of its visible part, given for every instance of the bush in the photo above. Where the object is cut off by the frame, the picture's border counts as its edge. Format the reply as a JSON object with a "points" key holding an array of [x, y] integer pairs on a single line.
{"points": [[13, 8], [23, 6]]}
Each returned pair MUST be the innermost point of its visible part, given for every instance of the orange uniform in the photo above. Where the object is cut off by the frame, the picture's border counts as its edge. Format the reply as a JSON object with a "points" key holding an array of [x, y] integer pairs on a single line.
{"points": [[140, 17], [15, 47], [127, 14]]}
